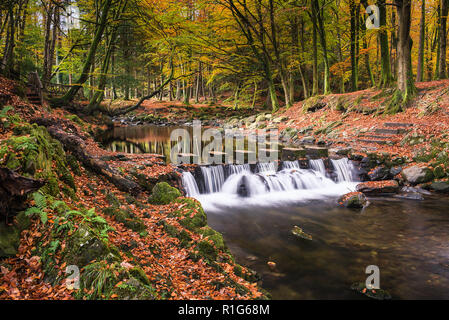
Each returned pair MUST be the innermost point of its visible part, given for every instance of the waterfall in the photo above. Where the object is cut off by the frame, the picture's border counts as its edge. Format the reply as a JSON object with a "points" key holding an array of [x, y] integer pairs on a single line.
{"points": [[214, 178], [238, 168], [238, 183], [318, 165], [267, 167], [189, 183], [291, 165], [344, 169]]}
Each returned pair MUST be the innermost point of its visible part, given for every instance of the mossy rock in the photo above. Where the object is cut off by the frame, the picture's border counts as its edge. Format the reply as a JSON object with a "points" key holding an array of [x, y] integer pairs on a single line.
{"points": [[84, 246], [163, 194], [439, 172], [9, 240], [199, 218], [207, 250], [214, 236], [133, 289], [125, 217], [377, 294]]}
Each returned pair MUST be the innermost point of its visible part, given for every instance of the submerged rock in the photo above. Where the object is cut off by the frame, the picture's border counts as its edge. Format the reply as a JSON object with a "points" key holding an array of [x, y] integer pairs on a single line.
{"points": [[298, 232], [416, 175], [378, 187], [353, 200], [377, 294], [410, 196]]}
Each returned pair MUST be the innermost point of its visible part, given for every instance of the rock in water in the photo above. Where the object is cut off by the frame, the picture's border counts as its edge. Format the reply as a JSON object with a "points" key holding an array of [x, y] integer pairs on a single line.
{"points": [[416, 175], [271, 265], [354, 200], [242, 190], [378, 187], [377, 294], [298, 232], [442, 186]]}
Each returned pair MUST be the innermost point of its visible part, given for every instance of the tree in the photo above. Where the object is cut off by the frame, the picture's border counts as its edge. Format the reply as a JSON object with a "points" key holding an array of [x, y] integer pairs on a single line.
{"points": [[405, 82]]}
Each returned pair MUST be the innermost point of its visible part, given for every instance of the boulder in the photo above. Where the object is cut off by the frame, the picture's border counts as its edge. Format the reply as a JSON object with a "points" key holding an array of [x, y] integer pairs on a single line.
{"points": [[163, 194], [439, 172], [378, 187], [353, 200], [441, 186], [308, 140], [380, 173], [416, 175]]}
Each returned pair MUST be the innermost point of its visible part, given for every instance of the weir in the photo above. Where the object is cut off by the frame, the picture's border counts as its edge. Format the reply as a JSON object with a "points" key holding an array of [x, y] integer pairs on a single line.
{"points": [[251, 180]]}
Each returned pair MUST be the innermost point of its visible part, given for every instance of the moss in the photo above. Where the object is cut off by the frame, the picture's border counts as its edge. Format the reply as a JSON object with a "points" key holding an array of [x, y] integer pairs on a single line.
{"points": [[112, 199], [133, 289], [192, 213], [73, 163], [163, 194], [139, 274], [215, 237], [9, 240], [207, 250], [125, 217]]}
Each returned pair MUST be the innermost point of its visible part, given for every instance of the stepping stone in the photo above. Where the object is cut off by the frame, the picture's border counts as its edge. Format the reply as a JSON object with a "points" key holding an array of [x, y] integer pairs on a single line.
{"points": [[376, 137], [383, 142], [398, 124], [390, 131]]}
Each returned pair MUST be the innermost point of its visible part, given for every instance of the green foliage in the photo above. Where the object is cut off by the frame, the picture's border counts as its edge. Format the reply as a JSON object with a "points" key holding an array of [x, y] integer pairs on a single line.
{"points": [[39, 208]]}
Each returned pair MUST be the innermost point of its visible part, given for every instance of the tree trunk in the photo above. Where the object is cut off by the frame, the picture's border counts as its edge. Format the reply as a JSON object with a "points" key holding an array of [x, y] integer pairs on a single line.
{"points": [[354, 45], [443, 39], [405, 81], [422, 34], [90, 57]]}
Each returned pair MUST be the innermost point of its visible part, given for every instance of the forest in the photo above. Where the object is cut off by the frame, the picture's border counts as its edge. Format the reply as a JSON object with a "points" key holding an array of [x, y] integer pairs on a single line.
{"points": [[328, 131]]}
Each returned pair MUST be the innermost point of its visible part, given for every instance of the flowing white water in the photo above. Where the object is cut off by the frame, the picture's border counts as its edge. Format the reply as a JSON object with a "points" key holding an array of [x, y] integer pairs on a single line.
{"points": [[190, 185], [318, 165], [267, 167], [268, 187], [291, 165], [240, 168], [214, 178], [344, 169]]}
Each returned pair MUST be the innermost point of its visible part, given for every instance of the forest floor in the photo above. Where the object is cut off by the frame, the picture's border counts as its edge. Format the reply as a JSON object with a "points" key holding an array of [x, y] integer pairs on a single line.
{"points": [[355, 120]]}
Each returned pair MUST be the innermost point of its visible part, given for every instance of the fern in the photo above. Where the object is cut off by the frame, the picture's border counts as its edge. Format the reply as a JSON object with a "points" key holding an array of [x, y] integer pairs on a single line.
{"points": [[40, 200], [40, 205]]}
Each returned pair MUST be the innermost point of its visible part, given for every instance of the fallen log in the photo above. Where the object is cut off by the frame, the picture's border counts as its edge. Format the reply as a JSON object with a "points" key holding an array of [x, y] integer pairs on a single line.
{"points": [[13, 191], [66, 133]]}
